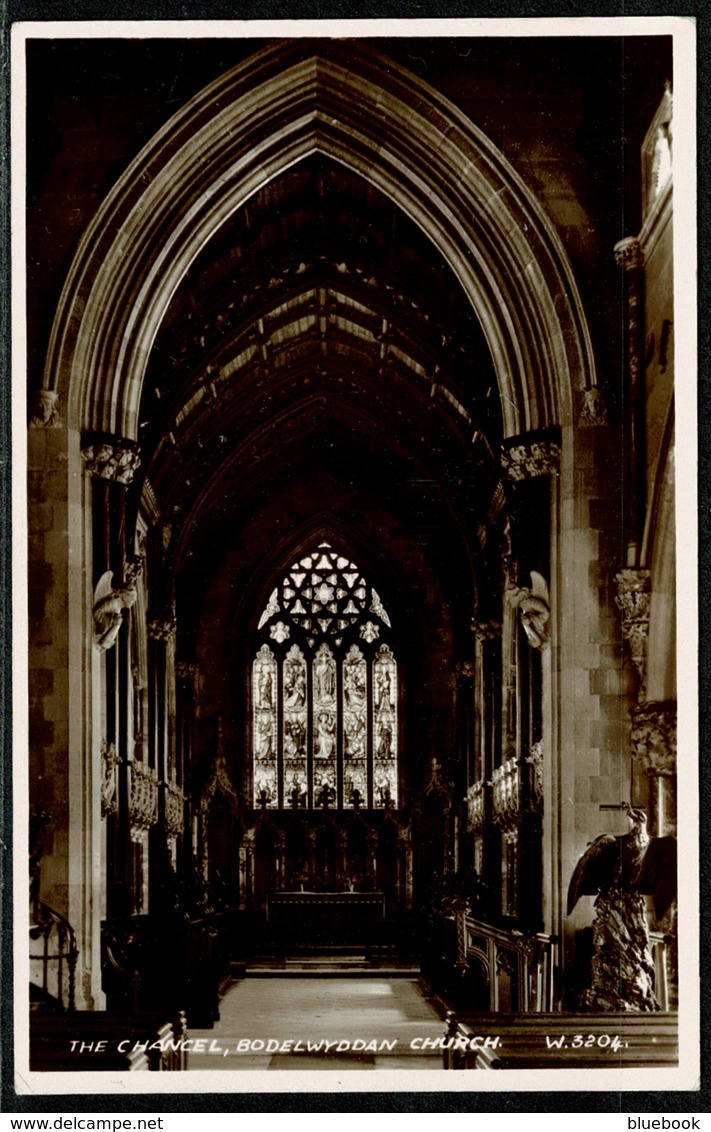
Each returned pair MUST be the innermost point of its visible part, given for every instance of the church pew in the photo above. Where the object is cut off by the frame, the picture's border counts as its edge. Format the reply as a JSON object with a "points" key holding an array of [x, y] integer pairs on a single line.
{"points": [[547, 1041]]}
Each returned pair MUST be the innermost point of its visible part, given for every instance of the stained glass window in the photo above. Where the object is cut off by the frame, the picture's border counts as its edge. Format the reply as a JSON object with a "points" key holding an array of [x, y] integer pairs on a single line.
{"points": [[295, 715], [385, 725], [355, 726], [265, 725], [325, 691]]}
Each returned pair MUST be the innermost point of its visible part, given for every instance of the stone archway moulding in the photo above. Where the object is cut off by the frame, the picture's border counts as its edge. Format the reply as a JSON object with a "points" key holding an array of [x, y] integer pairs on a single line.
{"points": [[288, 101]]}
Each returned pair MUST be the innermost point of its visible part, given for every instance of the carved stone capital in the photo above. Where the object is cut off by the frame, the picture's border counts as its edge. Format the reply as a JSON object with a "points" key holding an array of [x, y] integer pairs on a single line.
{"points": [[629, 253], [531, 458], [111, 459], [45, 410], [654, 737], [143, 804], [187, 670], [594, 410], [466, 669], [162, 628], [633, 599]]}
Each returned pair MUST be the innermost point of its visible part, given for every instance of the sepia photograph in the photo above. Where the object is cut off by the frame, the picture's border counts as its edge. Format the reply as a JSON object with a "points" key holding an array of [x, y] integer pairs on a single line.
{"points": [[355, 706]]}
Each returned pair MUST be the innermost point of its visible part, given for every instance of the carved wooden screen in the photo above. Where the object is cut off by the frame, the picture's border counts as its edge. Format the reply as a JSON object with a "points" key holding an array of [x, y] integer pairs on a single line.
{"points": [[325, 690]]}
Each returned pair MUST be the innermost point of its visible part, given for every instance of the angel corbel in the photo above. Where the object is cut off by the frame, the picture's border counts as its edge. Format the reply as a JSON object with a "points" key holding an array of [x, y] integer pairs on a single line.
{"points": [[535, 609], [109, 604]]}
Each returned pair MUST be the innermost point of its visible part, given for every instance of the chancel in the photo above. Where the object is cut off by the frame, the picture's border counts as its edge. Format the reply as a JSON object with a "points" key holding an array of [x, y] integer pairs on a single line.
{"points": [[351, 546]]}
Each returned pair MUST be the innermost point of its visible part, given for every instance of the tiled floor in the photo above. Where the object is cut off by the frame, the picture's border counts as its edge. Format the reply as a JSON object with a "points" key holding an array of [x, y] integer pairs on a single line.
{"points": [[331, 1023]]}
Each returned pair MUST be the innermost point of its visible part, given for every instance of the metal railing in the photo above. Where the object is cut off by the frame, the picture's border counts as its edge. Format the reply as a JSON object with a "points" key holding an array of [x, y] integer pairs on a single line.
{"points": [[58, 946]]}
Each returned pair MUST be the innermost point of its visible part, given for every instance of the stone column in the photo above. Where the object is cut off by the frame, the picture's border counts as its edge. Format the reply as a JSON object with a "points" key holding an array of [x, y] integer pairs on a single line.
{"points": [[630, 256], [161, 631], [110, 464], [465, 671], [654, 753], [73, 765], [405, 838], [530, 457], [243, 875], [186, 673]]}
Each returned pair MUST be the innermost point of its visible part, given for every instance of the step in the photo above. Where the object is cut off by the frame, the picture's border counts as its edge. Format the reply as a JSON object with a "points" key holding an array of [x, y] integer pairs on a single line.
{"points": [[314, 971]]}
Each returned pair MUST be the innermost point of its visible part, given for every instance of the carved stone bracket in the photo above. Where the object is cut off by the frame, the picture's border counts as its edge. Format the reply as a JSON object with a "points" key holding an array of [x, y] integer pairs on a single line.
{"points": [[45, 410], [187, 670], [111, 459], [506, 794], [465, 669], [476, 808], [143, 802], [594, 410], [534, 458], [535, 761], [162, 629], [654, 737], [174, 809], [629, 254], [109, 780], [633, 599]]}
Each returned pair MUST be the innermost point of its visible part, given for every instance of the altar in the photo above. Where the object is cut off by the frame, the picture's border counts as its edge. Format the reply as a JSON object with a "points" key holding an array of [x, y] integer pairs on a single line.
{"points": [[325, 918]]}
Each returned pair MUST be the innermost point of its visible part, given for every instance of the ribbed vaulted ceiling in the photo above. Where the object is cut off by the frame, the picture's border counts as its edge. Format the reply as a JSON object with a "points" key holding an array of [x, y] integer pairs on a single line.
{"points": [[319, 332]]}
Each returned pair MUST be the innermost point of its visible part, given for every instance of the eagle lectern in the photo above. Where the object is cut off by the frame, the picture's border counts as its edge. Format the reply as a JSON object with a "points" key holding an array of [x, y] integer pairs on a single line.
{"points": [[621, 871]]}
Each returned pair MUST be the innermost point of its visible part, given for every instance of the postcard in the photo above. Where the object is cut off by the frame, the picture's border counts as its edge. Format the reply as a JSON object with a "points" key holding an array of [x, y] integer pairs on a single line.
{"points": [[354, 660]]}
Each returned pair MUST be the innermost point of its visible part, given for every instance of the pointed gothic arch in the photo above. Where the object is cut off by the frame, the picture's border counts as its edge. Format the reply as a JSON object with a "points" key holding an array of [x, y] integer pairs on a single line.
{"points": [[287, 101]]}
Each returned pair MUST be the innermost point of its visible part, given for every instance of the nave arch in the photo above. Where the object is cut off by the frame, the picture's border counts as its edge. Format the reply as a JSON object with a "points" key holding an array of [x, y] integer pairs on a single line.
{"points": [[288, 101]]}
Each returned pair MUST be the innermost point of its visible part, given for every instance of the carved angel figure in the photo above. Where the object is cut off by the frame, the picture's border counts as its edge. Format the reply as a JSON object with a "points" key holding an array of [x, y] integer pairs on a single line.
{"points": [[109, 604], [535, 609]]}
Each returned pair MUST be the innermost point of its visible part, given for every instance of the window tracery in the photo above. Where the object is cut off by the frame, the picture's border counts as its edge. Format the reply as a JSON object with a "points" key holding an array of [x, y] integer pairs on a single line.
{"points": [[324, 690]]}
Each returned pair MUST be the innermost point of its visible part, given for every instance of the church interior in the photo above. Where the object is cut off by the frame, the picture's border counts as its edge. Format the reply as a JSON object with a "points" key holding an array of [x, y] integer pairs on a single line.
{"points": [[351, 518]]}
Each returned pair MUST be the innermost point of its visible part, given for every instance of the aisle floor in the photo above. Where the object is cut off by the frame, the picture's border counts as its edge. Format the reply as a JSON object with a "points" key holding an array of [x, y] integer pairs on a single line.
{"points": [[330, 1023]]}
